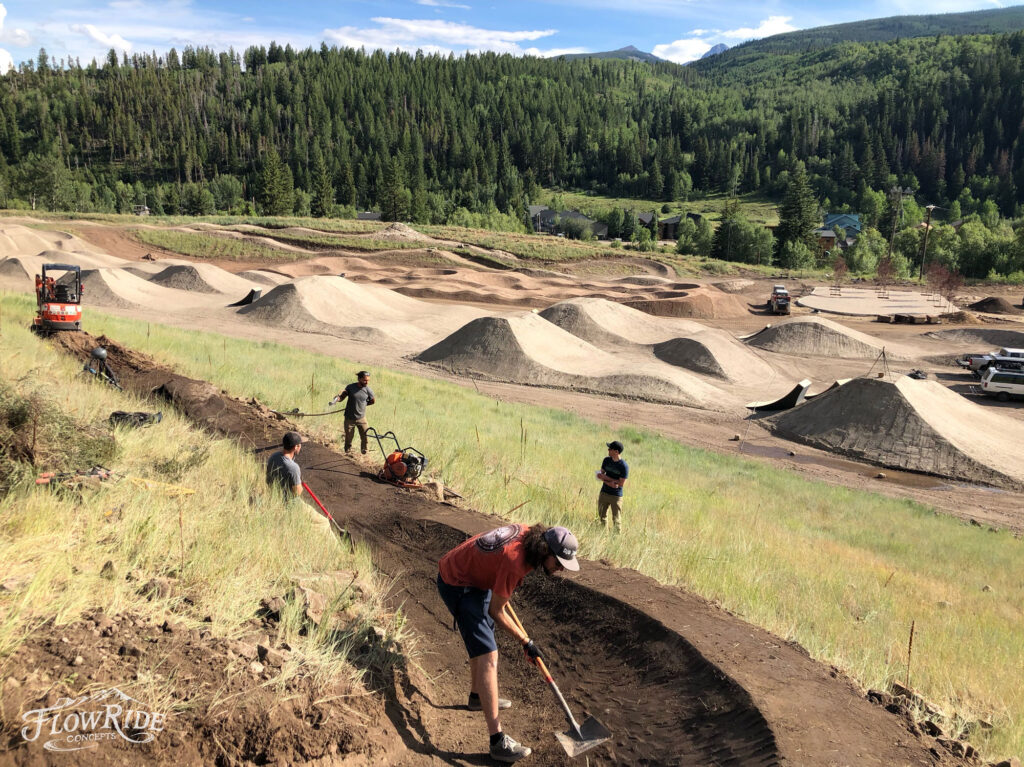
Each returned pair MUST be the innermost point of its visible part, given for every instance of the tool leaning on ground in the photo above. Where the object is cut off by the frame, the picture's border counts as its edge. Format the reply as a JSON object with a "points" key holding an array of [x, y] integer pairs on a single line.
{"points": [[341, 531], [579, 737]]}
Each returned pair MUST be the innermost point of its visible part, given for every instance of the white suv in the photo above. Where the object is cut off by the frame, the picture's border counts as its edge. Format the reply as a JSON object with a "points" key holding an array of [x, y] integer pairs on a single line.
{"points": [[1002, 384]]}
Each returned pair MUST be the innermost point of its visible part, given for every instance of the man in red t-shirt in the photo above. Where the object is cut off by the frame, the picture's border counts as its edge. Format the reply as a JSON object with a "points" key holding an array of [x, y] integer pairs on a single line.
{"points": [[475, 581]]}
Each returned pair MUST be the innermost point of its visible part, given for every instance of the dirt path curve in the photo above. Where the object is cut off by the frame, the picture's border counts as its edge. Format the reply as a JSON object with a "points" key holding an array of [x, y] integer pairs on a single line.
{"points": [[677, 680]]}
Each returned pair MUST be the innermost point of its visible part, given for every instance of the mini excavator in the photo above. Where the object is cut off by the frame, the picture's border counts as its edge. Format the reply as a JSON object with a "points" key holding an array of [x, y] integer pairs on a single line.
{"points": [[403, 466], [58, 301]]}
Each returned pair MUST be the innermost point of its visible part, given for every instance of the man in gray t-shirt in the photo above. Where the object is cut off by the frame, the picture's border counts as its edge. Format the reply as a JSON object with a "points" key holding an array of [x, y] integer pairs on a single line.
{"points": [[281, 466], [360, 396]]}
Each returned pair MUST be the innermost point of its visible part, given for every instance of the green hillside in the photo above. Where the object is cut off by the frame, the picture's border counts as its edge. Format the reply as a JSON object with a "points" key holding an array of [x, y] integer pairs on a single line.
{"points": [[629, 53], [473, 141], [996, 21]]}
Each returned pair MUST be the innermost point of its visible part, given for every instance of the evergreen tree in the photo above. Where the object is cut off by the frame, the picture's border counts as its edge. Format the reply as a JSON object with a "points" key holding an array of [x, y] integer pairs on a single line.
{"points": [[275, 193], [395, 199], [799, 214], [322, 203]]}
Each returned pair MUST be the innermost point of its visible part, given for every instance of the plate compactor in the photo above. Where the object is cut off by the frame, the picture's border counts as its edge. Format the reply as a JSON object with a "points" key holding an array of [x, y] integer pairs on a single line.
{"points": [[403, 466], [58, 300]]}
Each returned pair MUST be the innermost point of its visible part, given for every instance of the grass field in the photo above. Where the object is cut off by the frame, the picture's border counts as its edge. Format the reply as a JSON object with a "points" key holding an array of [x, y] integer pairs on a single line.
{"points": [[213, 542], [757, 210], [842, 572]]}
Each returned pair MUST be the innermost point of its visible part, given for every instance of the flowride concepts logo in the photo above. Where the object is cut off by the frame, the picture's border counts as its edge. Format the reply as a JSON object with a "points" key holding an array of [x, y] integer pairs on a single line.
{"points": [[72, 724]]}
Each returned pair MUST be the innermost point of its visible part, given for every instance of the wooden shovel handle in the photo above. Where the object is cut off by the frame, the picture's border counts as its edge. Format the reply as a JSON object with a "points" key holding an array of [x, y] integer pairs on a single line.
{"points": [[519, 624]]}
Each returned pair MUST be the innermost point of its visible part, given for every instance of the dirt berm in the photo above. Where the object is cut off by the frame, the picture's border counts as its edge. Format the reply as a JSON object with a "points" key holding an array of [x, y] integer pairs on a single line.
{"points": [[678, 681], [982, 335], [914, 425], [527, 349], [819, 337]]}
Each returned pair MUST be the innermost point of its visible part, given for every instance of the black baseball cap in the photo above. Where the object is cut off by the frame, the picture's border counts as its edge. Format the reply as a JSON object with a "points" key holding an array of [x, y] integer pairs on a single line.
{"points": [[291, 439], [615, 445], [563, 545]]}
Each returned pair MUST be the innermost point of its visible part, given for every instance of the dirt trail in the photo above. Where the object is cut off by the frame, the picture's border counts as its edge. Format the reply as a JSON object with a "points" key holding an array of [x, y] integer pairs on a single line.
{"points": [[678, 680]]}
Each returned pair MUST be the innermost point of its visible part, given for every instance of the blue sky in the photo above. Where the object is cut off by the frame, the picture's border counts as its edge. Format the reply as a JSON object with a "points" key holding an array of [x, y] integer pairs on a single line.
{"points": [[678, 30]]}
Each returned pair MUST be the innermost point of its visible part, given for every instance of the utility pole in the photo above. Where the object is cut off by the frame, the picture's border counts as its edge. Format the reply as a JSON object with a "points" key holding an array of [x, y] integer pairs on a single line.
{"points": [[924, 245], [896, 194]]}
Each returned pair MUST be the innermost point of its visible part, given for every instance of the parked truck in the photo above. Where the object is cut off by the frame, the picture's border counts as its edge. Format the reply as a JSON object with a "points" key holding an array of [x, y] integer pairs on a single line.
{"points": [[778, 301], [1007, 358]]}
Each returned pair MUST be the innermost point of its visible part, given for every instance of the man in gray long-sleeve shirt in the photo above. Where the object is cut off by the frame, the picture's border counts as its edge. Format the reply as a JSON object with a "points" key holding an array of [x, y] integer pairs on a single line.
{"points": [[360, 396]]}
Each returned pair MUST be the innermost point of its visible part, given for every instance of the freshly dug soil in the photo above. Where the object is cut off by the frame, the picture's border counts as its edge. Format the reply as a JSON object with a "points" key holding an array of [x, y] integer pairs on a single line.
{"points": [[995, 305], [676, 679], [258, 724]]}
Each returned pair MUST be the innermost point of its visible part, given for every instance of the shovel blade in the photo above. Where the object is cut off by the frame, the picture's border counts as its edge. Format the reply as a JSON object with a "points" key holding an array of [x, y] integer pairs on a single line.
{"points": [[593, 734]]}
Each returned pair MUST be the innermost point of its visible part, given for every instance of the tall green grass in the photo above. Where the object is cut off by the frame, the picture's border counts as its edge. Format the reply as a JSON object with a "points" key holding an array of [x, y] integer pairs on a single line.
{"points": [[842, 572], [198, 245], [228, 544]]}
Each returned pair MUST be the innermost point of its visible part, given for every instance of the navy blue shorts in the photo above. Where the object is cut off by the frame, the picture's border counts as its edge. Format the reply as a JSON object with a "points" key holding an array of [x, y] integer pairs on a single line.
{"points": [[470, 607]]}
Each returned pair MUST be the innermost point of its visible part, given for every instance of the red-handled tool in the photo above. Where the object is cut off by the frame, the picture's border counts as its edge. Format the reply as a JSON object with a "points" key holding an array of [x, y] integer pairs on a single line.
{"points": [[327, 514]]}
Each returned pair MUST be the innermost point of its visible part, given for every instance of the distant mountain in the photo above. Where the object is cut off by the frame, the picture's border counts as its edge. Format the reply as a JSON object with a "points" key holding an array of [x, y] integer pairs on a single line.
{"points": [[720, 48], [629, 53], [997, 21]]}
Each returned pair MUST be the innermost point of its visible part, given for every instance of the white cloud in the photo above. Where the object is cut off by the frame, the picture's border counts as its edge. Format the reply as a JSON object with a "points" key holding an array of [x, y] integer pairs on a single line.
{"points": [[432, 36], [552, 53], [6, 60], [101, 37], [441, 4], [682, 51], [773, 25], [156, 25], [17, 36]]}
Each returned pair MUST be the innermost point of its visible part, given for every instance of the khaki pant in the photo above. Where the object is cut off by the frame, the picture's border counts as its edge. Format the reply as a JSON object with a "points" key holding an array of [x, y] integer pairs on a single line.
{"points": [[607, 501], [350, 430]]}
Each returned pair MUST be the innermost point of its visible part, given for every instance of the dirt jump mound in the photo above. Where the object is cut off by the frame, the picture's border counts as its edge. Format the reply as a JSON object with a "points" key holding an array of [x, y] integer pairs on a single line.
{"points": [[704, 303], [981, 335], [121, 289], [818, 337], [264, 277], [14, 274], [913, 425], [201, 278], [527, 349], [714, 353], [336, 306], [399, 231], [607, 323], [995, 305], [18, 272], [682, 343], [17, 240]]}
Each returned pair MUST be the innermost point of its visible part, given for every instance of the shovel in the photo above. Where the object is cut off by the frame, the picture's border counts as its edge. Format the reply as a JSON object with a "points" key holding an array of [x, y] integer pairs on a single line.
{"points": [[341, 531], [578, 738]]}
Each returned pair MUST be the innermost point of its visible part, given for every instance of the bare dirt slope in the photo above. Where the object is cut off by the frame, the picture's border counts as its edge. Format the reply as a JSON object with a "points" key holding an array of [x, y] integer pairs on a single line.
{"points": [[530, 350], [821, 337], [910, 424], [619, 279], [679, 342], [677, 680], [323, 304]]}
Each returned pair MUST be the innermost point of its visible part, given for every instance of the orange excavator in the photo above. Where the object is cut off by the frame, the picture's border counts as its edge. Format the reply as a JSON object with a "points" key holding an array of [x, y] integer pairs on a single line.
{"points": [[58, 301]]}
